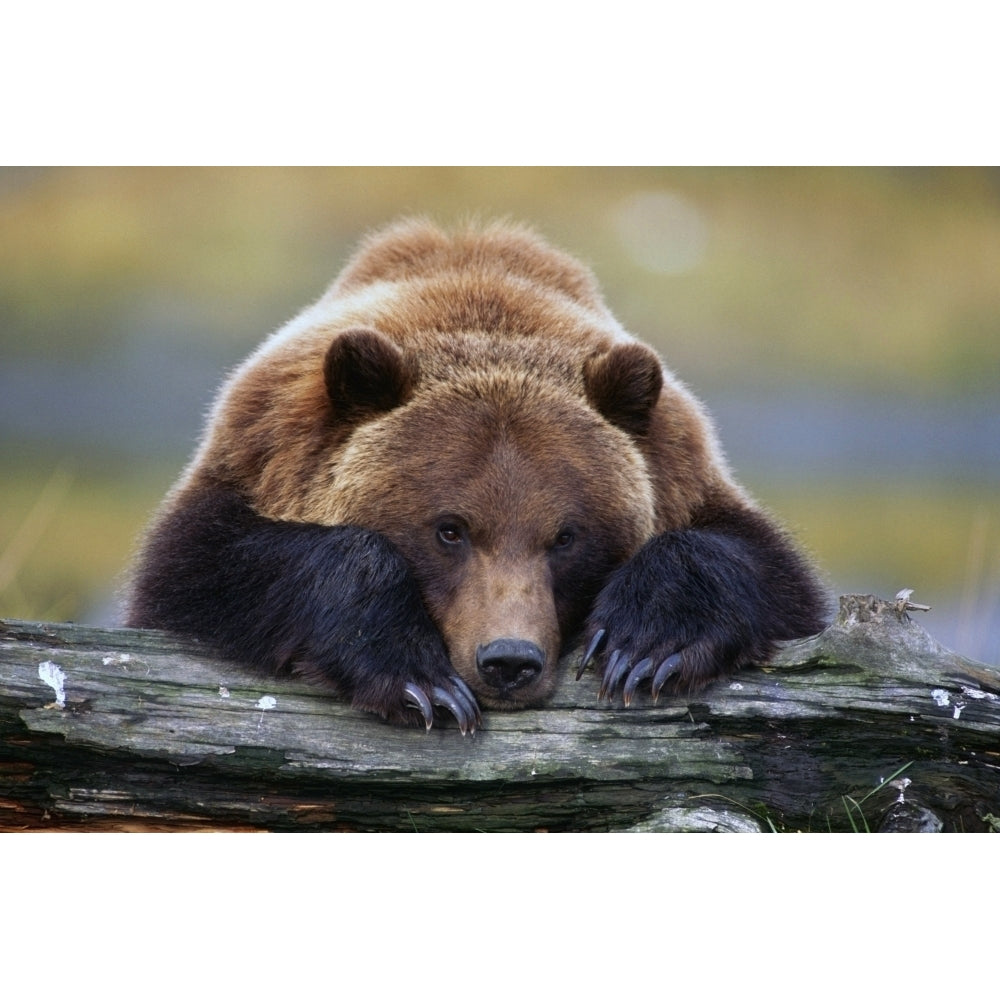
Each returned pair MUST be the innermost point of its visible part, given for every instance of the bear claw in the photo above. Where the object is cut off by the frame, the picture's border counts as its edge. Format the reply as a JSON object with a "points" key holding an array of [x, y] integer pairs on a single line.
{"points": [[592, 649], [619, 669], [642, 670], [461, 704], [665, 669], [466, 717], [614, 670], [416, 698]]}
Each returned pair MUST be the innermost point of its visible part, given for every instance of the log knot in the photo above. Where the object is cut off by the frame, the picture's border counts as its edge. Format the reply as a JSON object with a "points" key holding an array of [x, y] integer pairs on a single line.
{"points": [[858, 609]]}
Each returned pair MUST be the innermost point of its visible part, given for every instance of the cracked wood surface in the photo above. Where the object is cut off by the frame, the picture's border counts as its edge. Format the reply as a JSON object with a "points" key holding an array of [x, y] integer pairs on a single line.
{"points": [[105, 729]]}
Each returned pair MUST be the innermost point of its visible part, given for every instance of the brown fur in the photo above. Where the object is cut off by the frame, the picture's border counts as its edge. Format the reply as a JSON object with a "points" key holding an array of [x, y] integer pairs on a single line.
{"points": [[540, 321], [478, 382]]}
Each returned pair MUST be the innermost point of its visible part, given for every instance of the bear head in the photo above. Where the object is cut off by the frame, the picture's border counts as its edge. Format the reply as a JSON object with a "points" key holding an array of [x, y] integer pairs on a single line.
{"points": [[511, 489]]}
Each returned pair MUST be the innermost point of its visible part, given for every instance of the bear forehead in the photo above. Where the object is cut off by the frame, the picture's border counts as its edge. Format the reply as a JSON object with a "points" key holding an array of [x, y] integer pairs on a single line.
{"points": [[492, 447], [478, 417]]}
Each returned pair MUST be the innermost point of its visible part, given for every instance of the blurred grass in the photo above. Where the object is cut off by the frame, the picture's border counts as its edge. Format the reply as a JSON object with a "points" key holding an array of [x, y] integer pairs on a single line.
{"points": [[66, 536], [863, 275], [893, 533], [941, 539]]}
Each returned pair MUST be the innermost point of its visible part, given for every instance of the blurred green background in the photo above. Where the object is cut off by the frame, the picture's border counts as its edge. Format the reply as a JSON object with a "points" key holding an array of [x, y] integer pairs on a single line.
{"points": [[843, 325]]}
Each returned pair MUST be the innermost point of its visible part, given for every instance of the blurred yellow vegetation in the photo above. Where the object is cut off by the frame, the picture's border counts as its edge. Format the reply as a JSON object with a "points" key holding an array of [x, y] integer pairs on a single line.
{"points": [[860, 274], [66, 537]]}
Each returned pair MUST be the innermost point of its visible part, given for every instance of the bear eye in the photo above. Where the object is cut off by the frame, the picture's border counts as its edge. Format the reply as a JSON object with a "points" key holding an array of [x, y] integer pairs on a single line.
{"points": [[564, 539], [449, 533]]}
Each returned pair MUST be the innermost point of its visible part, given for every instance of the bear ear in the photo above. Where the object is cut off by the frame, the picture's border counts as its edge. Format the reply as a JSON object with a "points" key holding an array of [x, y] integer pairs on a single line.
{"points": [[365, 374], [623, 385]]}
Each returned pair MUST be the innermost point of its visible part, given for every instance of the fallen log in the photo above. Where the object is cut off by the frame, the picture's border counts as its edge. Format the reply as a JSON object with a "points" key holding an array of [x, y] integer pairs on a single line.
{"points": [[872, 725]]}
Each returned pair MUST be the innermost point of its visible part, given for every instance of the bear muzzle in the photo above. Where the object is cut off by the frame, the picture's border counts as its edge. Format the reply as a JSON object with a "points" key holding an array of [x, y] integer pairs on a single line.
{"points": [[501, 630], [509, 664]]}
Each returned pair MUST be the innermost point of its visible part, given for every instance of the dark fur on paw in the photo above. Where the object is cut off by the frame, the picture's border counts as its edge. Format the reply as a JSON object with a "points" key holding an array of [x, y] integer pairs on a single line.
{"points": [[692, 606]]}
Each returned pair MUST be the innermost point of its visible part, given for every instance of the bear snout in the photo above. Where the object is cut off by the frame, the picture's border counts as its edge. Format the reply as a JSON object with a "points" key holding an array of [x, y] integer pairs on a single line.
{"points": [[509, 664]]}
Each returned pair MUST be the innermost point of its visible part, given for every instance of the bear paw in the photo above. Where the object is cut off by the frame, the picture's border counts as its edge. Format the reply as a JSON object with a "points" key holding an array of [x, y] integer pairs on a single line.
{"points": [[628, 667], [408, 699], [687, 609]]}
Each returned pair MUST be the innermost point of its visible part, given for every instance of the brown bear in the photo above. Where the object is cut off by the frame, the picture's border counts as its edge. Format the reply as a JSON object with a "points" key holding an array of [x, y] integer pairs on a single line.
{"points": [[455, 464]]}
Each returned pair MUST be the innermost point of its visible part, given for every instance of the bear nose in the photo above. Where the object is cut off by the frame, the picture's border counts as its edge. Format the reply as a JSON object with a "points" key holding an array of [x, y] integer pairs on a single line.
{"points": [[508, 664]]}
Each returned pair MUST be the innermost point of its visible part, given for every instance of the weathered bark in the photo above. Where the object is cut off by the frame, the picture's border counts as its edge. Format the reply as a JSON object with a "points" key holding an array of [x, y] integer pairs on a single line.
{"points": [[120, 729]]}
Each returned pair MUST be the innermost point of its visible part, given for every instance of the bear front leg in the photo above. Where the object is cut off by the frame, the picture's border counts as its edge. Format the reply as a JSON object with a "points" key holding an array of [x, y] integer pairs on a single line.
{"points": [[696, 604], [337, 604]]}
